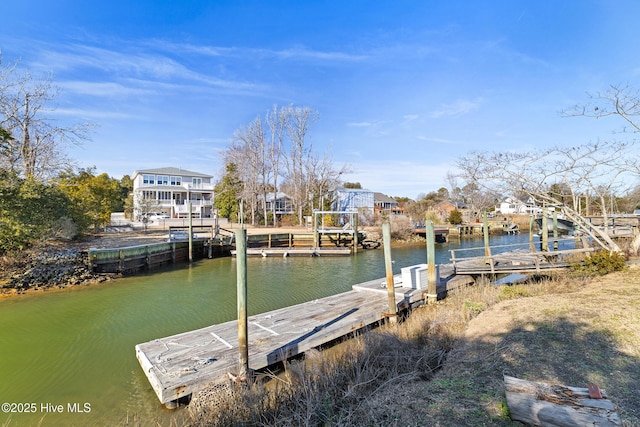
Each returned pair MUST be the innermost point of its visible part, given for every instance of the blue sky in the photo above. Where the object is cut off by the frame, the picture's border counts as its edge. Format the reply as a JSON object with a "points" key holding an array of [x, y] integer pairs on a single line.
{"points": [[402, 88]]}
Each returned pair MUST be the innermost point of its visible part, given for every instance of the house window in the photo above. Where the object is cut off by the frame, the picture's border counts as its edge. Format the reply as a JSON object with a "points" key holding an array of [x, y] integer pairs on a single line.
{"points": [[164, 195], [196, 181], [163, 180], [176, 180], [148, 179], [149, 195]]}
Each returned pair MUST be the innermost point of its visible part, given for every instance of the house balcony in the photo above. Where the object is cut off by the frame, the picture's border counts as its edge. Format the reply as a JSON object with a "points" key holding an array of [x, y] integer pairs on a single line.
{"points": [[198, 187]]}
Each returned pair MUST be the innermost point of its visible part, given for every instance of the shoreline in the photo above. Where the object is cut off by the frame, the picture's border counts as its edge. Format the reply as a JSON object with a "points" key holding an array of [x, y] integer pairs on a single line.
{"points": [[61, 266]]}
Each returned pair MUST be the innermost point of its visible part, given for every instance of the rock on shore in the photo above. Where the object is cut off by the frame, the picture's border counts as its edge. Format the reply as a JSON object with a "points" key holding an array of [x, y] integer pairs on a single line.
{"points": [[52, 267]]}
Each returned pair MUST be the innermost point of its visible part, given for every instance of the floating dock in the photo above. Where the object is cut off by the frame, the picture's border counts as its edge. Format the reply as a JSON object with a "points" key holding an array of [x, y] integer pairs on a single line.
{"points": [[286, 252], [182, 364]]}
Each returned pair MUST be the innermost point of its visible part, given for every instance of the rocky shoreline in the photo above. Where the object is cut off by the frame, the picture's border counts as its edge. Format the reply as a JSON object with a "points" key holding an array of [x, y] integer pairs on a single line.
{"points": [[49, 268], [59, 265]]}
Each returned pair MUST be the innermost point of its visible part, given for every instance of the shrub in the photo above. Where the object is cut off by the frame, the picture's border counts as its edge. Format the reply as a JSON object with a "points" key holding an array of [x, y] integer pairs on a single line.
{"points": [[602, 262], [455, 217], [513, 292]]}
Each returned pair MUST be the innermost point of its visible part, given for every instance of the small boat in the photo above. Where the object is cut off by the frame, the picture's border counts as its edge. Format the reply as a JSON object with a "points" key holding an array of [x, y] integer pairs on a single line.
{"points": [[565, 226]]}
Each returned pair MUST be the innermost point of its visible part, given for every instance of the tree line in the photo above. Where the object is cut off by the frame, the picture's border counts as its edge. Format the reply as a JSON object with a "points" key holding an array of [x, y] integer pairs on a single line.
{"points": [[273, 154], [43, 194]]}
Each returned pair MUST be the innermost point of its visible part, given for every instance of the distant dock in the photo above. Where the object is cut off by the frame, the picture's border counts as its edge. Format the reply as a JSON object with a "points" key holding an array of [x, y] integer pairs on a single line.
{"points": [[286, 252]]}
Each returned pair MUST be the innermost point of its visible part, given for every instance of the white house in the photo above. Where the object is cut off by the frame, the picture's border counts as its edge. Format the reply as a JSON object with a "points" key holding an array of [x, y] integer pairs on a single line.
{"points": [[170, 191], [511, 205]]}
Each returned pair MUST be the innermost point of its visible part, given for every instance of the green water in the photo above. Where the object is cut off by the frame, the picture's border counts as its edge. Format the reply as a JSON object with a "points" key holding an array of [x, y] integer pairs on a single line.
{"points": [[75, 348]]}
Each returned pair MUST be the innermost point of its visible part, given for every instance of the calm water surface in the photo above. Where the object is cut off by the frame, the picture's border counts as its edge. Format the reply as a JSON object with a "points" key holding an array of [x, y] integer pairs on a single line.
{"points": [[75, 348]]}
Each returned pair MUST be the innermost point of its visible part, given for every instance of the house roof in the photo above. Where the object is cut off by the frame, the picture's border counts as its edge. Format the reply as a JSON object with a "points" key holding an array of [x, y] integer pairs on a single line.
{"points": [[353, 190], [383, 198], [279, 195], [171, 171]]}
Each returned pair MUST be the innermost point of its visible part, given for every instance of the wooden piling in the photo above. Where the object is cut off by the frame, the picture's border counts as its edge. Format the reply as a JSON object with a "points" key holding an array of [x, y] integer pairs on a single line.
{"points": [[485, 233], [531, 247], [355, 233], [555, 230], [388, 265], [545, 230], [190, 234], [432, 279], [243, 341]]}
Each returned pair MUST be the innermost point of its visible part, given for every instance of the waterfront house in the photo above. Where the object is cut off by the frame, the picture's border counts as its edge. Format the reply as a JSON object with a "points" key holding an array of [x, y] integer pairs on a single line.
{"points": [[170, 190], [383, 203], [278, 203], [512, 205]]}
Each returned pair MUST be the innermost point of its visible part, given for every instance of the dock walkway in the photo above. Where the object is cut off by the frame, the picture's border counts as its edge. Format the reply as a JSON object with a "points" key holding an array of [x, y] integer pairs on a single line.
{"points": [[517, 261], [182, 364]]}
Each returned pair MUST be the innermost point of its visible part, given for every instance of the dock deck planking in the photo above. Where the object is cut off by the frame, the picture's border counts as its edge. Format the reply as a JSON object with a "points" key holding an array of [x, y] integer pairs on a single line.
{"points": [[185, 363]]}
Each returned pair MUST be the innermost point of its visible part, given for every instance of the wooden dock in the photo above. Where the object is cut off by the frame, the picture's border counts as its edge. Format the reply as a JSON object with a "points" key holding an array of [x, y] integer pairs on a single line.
{"points": [[286, 252], [516, 261], [182, 364]]}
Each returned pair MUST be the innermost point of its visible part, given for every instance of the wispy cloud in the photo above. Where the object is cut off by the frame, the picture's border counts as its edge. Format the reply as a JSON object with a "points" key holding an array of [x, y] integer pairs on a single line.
{"points": [[102, 89], [293, 53], [435, 140], [90, 113], [457, 108], [114, 65]]}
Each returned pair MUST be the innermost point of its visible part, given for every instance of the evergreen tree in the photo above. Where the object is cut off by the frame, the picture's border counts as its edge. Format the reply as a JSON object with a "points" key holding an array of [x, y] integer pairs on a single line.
{"points": [[228, 191]]}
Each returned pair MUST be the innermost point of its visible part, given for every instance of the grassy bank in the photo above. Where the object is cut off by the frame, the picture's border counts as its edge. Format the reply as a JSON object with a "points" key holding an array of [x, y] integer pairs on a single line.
{"points": [[445, 365]]}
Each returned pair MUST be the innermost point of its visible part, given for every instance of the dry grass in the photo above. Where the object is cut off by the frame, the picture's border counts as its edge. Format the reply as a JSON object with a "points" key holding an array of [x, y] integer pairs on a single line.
{"points": [[445, 364]]}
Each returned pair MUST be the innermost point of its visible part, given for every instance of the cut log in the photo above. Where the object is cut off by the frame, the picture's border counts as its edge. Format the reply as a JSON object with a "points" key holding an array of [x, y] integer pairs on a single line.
{"points": [[542, 404]]}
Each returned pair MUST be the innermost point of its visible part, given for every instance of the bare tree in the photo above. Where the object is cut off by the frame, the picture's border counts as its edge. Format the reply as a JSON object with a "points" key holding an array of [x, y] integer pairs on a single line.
{"points": [[297, 126], [621, 100], [276, 121], [322, 177], [618, 100], [599, 168], [248, 151], [281, 156], [145, 203], [36, 147]]}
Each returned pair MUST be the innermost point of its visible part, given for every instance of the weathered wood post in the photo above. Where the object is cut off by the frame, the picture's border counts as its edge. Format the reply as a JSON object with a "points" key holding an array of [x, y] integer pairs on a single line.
{"points": [[545, 230], [432, 278], [316, 233], [555, 230], [531, 247], [485, 233], [243, 342], [190, 233], [388, 265], [355, 232]]}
